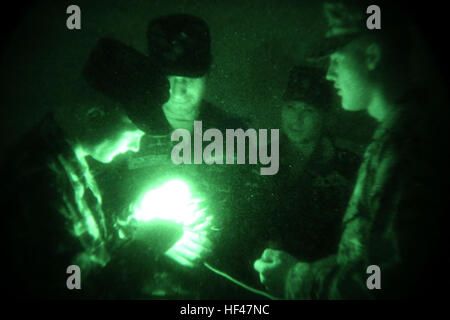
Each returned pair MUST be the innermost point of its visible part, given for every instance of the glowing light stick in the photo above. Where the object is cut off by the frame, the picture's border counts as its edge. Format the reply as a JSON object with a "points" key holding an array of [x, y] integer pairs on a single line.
{"points": [[173, 201]]}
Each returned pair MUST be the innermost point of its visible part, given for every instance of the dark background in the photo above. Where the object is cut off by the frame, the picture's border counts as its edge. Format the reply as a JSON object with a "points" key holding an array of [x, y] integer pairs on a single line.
{"points": [[254, 45]]}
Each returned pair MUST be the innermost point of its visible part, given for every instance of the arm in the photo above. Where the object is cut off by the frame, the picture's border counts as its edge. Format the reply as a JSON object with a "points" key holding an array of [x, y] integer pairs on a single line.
{"points": [[368, 221]]}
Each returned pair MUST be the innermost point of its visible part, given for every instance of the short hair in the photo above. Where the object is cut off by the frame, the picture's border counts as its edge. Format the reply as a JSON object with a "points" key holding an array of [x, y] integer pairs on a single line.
{"points": [[395, 42]]}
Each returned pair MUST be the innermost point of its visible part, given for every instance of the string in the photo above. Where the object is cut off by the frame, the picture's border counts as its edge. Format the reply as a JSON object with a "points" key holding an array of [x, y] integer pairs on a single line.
{"points": [[243, 285]]}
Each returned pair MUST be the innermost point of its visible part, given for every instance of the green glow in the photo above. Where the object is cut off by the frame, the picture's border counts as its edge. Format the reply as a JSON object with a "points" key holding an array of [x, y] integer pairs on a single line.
{"points": [[127, 141], [183, 106], [171, 201], [85, 222], [90, 231]]}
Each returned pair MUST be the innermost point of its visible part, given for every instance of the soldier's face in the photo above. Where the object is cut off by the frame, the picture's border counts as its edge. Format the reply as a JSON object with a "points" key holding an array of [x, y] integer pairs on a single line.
{"points": [[300, 122], [127, 138], [186, 95], [350, 77]]}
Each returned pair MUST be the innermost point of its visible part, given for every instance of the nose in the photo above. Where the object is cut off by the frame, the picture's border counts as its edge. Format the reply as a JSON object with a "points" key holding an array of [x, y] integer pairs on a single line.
{"points": [[178, 87]]}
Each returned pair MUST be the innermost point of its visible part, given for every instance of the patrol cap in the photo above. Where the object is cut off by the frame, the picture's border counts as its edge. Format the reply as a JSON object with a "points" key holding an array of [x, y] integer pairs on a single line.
{"points": [[308, 84], [346, 21], [181, 44], [129, 77]]}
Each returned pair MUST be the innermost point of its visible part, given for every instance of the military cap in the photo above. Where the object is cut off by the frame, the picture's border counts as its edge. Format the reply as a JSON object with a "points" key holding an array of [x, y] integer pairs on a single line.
{"points": [[130, 78], [346, 21], [180, 43], [308, 84]]}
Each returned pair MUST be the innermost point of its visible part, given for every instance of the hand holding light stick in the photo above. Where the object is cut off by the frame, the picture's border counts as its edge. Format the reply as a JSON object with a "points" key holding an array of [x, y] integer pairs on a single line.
{"points": [[173, 201]]}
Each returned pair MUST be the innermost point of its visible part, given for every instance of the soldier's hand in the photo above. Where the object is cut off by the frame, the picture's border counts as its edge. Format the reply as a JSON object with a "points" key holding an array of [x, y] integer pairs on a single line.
{"points": [[273, 268], [158, 235], [194, 244]]}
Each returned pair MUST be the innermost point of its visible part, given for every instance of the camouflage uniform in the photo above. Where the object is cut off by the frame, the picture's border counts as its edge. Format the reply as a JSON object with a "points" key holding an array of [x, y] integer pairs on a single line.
{"points": [[55, 217], [386, 215]]}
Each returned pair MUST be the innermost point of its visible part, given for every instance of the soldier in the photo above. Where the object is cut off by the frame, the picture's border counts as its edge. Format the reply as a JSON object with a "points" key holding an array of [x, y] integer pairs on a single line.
{"points": [[127, 76], [56, 217], [391, 218], [180, 46], [315, 175]]}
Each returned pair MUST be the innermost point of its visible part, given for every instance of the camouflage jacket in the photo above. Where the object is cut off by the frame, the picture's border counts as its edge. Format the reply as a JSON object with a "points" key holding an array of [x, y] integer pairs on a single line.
{"points": [[55, 216], [384, 225]]}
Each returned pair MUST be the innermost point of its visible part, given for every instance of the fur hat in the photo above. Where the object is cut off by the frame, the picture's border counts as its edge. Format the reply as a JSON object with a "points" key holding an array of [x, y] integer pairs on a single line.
{"points": [[180, 43], [129, 77], [308, 84]]}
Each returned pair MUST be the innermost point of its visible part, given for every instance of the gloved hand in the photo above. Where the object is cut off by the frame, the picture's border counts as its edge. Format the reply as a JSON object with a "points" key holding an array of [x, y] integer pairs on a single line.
{"points": [[273, 268], [194, 243], [158, 235]]}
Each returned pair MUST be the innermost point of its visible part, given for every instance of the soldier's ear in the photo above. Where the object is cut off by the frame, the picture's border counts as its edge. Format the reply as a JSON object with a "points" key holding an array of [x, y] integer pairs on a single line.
{"points": [[373, 55]]}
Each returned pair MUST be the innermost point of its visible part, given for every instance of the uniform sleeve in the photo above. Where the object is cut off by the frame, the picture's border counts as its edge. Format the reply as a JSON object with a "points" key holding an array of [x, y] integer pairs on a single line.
{"points": [[368, 220], [305, 280], [326, 279], [36, 237]]}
